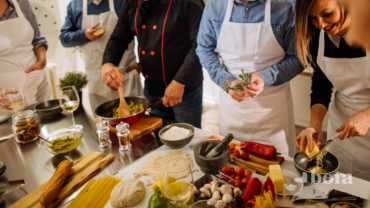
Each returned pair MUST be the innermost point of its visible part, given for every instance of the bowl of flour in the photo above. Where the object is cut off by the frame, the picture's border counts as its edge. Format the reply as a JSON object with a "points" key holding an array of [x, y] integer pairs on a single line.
{"points": [[176, 135]]}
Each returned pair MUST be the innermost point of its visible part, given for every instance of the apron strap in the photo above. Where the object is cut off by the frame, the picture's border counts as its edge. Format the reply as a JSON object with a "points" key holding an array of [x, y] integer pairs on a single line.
{"points": [[268, 11], [111, 6], [18, 9], [321, 51], [229, 9], [84, 8], [230, 5]]}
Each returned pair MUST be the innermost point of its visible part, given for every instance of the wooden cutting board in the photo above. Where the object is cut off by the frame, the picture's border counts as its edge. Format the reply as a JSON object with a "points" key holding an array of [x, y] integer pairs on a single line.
{"points": [[83, 170], [143, 125], [259, 164]]}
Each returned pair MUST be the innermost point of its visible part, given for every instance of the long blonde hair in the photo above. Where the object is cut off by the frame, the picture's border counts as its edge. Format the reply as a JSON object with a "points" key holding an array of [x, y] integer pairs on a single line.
{"points": [[305, 30]]}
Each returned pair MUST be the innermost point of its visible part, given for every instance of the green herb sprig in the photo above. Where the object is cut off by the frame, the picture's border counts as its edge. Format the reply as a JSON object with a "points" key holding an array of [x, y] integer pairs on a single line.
{"points": [[77, 79], [246, 77]]}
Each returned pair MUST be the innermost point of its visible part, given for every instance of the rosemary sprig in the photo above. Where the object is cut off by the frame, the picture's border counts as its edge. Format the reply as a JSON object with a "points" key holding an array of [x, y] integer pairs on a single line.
{"points": [[246, 77]]}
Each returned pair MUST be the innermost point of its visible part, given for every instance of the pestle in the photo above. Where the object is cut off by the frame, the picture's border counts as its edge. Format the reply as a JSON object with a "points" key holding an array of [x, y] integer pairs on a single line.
{"points": [[220, 147]]}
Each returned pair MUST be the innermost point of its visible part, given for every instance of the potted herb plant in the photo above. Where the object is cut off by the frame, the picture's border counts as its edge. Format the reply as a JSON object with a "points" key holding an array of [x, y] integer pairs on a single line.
{"points": [[77, 79]]}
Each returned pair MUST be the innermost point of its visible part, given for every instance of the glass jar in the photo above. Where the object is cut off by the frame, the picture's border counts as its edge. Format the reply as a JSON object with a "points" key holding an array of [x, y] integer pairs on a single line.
{"points": [[103, 134], [123, 136], [27, 121]]}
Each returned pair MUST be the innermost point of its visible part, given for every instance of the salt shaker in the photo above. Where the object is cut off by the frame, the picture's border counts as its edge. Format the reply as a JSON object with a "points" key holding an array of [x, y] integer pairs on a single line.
{"points": [[123, 136], [103, 134]]}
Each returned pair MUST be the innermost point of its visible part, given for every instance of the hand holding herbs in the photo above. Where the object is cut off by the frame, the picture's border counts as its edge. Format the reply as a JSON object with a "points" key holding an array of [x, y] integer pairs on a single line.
{"points": [[246, 77]]}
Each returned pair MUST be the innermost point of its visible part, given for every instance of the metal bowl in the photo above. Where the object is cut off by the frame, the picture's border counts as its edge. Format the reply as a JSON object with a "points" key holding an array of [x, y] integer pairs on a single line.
{"points": [[105, 111], [77, 133], [49, 109], [177, 144], [301, 164]]}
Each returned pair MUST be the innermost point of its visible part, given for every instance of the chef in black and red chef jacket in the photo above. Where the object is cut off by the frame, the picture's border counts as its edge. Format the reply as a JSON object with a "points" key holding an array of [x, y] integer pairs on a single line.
{"points": [[166, 31]]}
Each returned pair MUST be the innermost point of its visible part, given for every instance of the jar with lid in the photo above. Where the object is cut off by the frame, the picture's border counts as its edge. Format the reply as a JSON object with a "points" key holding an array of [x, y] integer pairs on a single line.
{"points": [[27, 121], [123, 136], [103, 134]]}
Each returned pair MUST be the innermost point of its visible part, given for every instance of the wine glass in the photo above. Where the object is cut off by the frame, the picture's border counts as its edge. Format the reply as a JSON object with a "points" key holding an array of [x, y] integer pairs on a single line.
{"points": [[14, 96], [180, 192], [69, 100]]}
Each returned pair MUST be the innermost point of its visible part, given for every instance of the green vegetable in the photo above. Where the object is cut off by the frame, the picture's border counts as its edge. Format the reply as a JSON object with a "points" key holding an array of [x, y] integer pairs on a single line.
{"points": [[64, 144], [246, 77], [77, 79], [134, 108], [157, 201]]}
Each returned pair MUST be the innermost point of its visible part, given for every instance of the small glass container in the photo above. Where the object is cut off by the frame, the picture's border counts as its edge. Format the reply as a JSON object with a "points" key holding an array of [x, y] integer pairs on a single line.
{"points": [[123, 136], [103, 134], [29, 122]]}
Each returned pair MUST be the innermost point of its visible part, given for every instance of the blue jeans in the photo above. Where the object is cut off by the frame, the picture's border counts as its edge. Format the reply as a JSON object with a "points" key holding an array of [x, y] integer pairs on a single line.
{"points": [[189, 111]]}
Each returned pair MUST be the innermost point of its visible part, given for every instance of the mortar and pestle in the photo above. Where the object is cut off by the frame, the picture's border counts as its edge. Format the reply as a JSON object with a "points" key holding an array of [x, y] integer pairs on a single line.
{"points": [[210, 156]]}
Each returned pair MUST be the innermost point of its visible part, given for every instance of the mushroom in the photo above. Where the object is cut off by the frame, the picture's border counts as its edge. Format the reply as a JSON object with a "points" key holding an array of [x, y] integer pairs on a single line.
{"points": [[195, 190], [226, 189], [216, 195], [214, 186], [214, 181], [211, 202], [205, 192], [227, 198], [208, 186], [203, 195], [220, 204], [219, 189], [237, 192]]}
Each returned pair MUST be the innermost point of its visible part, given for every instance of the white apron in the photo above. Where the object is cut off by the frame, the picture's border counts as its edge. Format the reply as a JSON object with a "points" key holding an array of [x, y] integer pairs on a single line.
{"points": [[93, 53], [16, 56], [268, 118], [351, 81]]}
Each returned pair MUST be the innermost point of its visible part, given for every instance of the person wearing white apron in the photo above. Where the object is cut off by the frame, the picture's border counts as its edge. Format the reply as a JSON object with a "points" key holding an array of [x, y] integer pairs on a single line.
{"points": [[267, 118], [346, 69], [93, 49], [22, 54]]}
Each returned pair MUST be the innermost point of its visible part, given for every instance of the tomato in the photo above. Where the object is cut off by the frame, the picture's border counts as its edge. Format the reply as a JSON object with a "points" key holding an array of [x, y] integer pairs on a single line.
{"points": [[232, 150], [232, 145], [245, 156], [232, 176], [224, 177], [237, 153], [240, 171], [239, 184], [232, 170], [231, 182], [238, 178], [225, 170], [247, 174], [245, 180]]}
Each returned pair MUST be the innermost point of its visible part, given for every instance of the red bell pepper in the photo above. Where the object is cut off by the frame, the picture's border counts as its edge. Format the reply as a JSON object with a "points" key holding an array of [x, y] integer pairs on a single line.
{"points": [[253, 189], [267, 152], [268, 186], [250, 203]]}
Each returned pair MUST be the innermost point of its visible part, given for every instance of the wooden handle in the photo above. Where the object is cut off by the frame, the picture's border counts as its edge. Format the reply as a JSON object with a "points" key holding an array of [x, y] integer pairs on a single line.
{"points": [[124, 108], [119, 88]]}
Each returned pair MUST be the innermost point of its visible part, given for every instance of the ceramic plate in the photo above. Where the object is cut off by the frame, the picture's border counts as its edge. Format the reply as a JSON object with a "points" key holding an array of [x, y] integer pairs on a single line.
{"points": [[292, 182]]}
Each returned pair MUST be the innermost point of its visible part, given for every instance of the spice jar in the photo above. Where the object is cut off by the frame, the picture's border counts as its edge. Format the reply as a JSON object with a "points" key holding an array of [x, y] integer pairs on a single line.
{"points": [[123, 136], [29, 122], [103, 133]]}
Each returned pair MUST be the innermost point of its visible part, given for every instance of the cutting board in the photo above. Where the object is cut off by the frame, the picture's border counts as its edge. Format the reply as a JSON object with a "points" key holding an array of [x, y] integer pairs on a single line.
{"points": [[82, 170], [145, 124], [259, 164]]}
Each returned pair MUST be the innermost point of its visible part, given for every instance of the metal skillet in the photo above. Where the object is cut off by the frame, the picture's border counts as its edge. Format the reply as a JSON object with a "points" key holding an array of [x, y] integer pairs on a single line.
{"points": [[105, 110]]}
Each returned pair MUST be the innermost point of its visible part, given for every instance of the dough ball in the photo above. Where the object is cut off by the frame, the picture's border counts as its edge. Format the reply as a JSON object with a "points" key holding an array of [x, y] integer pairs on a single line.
{"points": [[128, 193]]}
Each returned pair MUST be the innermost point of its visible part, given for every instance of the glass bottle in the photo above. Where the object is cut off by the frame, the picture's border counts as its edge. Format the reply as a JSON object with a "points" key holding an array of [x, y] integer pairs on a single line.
{"points": [[28, 122], [123, 136], [103, 133]]}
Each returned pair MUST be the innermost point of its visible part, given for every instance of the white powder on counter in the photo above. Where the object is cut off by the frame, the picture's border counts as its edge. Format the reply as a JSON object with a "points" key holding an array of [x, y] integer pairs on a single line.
{"points": [[175, 133]]}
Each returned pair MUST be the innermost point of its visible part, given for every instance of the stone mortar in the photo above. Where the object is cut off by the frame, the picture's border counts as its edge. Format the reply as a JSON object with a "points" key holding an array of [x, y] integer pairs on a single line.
{"points": [[210, 165]]}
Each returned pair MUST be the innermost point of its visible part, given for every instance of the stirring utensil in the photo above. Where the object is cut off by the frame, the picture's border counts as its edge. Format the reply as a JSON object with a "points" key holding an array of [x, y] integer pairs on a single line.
{"points": [[44, 139], [5, 138], [325, 146], [123, 107]]}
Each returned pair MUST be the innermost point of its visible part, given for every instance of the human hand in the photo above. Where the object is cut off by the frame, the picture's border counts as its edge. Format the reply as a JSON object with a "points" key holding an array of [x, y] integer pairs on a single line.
{"points": [[3, 99], [173, 94], [134, 67], [89, 32], [110, 77], [306, 137], [356, 125], [40, 65], [237, 95], [257, 86]]}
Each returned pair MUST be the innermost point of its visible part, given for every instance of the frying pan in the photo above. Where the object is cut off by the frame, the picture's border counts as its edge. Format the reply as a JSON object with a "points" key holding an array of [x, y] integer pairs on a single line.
{"points": [[105, 110]]}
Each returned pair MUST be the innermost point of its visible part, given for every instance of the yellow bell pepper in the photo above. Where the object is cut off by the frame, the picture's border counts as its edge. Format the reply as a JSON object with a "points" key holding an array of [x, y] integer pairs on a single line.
{"points": [[158, 185]]}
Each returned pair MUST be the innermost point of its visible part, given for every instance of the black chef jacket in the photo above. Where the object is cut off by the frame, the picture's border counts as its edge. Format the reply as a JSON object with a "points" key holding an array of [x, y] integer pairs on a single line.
{"points": [[166, 32]]}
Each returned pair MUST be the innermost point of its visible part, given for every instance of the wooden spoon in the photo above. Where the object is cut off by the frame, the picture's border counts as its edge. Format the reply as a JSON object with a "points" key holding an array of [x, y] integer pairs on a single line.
{"points": [[123, 107]]}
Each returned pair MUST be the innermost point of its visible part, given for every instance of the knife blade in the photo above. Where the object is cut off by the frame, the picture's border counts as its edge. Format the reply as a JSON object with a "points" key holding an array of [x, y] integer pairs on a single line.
{"points": [[326, 145], [349, 198]]}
